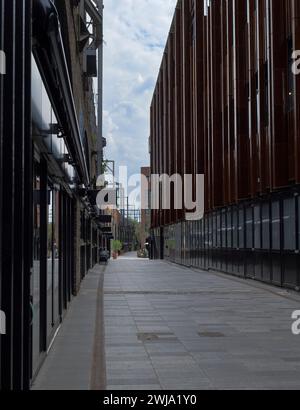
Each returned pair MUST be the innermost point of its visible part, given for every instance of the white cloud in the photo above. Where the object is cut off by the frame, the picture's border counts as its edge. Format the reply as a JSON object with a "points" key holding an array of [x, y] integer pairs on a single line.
{"points": [[135, 34]]}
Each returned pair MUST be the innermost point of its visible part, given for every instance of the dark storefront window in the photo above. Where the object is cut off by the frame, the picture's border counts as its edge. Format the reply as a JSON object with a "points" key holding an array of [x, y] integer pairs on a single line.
{"points": [[257, 227], [276, 226], [36, 288], [52, 261], [50, 323], [266, 226], [241, 229], [249, 228], [56, 255], [289, 224]]}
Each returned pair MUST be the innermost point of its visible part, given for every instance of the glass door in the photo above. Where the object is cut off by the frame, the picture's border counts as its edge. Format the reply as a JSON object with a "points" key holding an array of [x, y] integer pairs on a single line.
{"points": [[36, 273], [53, 258]]}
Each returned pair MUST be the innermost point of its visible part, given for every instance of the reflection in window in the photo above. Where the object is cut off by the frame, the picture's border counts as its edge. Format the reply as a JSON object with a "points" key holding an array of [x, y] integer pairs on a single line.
{"points": [[50, 250], [53, 260], [56, 256], [35, 292]]}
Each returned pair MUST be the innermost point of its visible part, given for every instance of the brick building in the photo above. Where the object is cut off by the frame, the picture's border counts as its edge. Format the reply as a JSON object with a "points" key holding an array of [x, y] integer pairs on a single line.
{"points": [[50, 228]]}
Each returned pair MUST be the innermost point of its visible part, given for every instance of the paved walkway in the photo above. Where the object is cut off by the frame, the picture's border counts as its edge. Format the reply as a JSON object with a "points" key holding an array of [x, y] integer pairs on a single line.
{"points": [[168, 327], [76, 359]]}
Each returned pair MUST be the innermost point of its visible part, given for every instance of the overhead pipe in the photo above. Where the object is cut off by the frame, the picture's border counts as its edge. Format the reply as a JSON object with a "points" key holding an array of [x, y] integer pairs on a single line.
{"points": [[50, 56]]}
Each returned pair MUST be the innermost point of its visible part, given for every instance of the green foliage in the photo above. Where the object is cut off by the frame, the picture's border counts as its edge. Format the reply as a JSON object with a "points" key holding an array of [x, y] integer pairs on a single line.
{"points": [[116, 246], [171, 244]]}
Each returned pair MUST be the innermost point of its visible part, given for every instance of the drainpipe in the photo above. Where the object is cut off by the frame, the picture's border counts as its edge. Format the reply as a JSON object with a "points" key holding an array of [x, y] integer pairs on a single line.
{"points": [[100, 95]]}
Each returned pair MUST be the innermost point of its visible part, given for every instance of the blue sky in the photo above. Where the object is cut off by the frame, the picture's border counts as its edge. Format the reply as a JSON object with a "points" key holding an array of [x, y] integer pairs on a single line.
{"points": [[135, 34]]}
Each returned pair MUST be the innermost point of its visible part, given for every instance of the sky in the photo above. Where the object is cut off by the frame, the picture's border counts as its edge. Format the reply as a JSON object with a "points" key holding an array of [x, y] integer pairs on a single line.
{"points": [[135, 35]]}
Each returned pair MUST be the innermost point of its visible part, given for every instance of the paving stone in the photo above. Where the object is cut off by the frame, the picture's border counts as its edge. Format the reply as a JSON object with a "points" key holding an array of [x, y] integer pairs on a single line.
{"points": [[226, 332], [170, 327]]}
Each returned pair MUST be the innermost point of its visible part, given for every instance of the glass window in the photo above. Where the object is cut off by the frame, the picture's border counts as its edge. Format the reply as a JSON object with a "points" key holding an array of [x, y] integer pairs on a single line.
{"points": [[241, 229], [289, 224], [53, 254], [229, 228], [35, 292], [266, 226], [214, 230], [224, 239], [276, 225], [56, 256], [249, 228], [219, 229], [257, 227], [50, 250], [235, 228]]}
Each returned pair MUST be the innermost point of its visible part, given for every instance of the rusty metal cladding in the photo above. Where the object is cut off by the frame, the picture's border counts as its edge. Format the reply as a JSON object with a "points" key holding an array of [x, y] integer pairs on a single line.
{"points": [[226, 102], [227, 105]]}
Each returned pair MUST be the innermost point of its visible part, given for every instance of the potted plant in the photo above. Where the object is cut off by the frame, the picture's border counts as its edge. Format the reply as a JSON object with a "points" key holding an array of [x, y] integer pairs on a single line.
{"points": [[116, 248]]}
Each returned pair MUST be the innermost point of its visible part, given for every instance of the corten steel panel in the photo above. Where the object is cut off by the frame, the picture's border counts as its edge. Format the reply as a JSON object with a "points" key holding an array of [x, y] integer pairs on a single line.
{"points": [[227, 102], [170, 119], [295, 26], [156, 146], [231, 102], [224, 104], [204, 95], [260, 74], [186, 87], [161, 139], [166, 170], [193, 89], [198, 87], [255, 174], [151, 142], [242, 175], [216, 108], [178, 96], [279, 57], [290, 93]]}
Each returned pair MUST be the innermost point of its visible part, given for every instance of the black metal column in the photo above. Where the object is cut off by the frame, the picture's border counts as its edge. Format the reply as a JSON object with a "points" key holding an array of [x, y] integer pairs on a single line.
{"points": [[16, 188], [1, 158]]}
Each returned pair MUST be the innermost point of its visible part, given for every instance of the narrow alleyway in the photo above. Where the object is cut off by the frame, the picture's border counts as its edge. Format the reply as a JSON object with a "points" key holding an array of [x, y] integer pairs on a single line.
{"points": [[169, 327]]}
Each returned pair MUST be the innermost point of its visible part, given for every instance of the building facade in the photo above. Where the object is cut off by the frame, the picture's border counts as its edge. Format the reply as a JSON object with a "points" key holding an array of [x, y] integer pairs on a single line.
{"points": [[226, 105], [145, 205], [49, 226]]}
